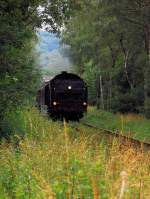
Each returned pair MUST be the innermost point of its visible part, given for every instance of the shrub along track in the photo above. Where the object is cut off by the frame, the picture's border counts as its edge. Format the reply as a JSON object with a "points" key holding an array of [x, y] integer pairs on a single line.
{"points": [[123, 139]]}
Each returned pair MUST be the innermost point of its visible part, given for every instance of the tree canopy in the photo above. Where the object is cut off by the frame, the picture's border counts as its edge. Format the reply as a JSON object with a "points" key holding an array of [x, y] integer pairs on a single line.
{"points": [[18, 71], [110, 46]]}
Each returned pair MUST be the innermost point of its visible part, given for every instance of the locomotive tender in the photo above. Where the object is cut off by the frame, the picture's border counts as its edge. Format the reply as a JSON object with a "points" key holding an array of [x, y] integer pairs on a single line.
{"points": [[64, 96]]}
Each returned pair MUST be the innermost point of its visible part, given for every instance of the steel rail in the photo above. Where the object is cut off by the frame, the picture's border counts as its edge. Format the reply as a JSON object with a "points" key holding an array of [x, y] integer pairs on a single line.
{"points": [[123, 139]]}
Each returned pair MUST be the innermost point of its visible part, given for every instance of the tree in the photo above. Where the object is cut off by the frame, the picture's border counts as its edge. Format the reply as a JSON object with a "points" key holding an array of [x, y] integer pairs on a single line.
{"points": [[18, 73], [136, 13]]}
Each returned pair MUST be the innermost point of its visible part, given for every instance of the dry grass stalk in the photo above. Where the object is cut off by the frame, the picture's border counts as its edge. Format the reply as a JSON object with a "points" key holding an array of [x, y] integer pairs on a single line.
{"points": [[123, 175], [141, 190], [66, 141], [96, 193], [68, 196]]}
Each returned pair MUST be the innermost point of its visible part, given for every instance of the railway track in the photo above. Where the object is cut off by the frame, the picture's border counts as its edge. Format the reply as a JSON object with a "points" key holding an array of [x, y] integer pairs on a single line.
{"points": [[123, 139]]}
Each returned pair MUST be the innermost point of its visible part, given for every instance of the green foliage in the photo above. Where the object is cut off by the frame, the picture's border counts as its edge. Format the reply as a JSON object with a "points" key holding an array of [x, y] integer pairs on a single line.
{"points": [[14, 124], [19, 75], [89, 75], [16, 179]]}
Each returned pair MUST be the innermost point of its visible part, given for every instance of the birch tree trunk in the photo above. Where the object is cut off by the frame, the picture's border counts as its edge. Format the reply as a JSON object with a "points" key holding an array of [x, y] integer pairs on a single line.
{"points": [[100, 94], [126, 72]]}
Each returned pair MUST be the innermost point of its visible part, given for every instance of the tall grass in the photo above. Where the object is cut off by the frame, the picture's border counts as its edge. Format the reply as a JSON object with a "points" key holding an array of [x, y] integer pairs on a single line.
{"points": [[70, 161], [130, 124]]}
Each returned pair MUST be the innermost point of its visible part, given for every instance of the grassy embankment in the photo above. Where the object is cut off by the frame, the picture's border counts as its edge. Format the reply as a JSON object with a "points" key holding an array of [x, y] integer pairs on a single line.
{"points": [[133, 125], [55, 160]]}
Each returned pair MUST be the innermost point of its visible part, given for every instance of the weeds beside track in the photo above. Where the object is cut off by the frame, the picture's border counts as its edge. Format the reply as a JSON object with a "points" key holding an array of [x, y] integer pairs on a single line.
{"points": [[123, 139]]}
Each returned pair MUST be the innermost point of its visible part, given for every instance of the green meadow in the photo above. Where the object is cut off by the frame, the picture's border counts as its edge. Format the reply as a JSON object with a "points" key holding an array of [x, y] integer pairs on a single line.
{"points": [[58, 160]]}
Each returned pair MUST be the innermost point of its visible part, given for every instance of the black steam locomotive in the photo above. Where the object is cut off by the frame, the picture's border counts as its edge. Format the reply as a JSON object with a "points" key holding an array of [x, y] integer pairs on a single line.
{"points": [[64, 96]]}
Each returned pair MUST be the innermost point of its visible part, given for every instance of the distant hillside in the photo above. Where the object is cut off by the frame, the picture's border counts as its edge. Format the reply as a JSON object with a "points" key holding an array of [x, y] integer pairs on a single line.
{"points": [[50, 58]]}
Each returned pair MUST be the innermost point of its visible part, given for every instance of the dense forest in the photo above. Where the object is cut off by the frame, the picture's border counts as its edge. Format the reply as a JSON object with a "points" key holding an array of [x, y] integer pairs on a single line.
{"points": [[17, 38], [109, 45], [19, 76]]}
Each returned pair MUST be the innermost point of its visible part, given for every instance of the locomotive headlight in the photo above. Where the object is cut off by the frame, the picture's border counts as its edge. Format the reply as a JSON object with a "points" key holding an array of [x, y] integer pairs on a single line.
{"points": [[84, 103], [69, 87], [54, 103]]}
